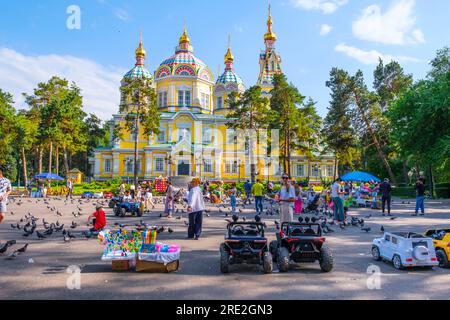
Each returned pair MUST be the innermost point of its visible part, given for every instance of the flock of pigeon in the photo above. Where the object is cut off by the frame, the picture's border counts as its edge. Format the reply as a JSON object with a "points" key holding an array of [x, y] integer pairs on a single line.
{"points": [[30, 226]]}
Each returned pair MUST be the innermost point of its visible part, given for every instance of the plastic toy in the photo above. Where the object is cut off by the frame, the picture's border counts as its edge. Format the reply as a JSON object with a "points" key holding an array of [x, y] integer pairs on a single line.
{"points": [[441, 242], [108, 195], [245, 243], [87, 195], [301, 242], [405, 249], [122, 208]]}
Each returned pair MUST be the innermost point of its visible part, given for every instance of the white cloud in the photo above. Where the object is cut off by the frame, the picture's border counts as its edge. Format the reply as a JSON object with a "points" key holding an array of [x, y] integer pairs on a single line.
{"points": [[121, 14], [372, 56], [99, 84], [395, 26], [326, 6], [325, 29]]}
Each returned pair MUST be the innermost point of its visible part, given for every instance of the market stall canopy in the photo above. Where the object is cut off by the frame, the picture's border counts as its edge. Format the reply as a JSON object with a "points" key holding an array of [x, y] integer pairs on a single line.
{"points": [[359, 176], [48, 176]]}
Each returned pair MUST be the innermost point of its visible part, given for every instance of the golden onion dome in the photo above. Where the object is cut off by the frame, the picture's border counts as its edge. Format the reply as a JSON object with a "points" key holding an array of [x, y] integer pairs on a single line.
{"points": [[270, 35], [184, 37], [140, 51], [229, 56]]}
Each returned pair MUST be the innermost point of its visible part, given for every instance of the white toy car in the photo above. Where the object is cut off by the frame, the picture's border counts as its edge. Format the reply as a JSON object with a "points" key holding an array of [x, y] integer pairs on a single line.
{"points": [[405, 249], [98, 195]]}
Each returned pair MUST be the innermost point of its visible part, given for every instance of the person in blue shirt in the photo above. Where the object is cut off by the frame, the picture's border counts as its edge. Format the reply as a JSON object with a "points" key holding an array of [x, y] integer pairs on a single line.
{"points": [[248, 190]]}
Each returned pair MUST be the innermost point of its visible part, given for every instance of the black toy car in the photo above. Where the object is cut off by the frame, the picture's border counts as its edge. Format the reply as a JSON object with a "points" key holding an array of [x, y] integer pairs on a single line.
{"points": [[122, 208], [245, 243], [301, 242]]}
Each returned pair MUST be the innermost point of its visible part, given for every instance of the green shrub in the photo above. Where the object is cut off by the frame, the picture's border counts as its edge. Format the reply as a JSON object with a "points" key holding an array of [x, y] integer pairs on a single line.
{"points": [[404, 192], [443, 193]]}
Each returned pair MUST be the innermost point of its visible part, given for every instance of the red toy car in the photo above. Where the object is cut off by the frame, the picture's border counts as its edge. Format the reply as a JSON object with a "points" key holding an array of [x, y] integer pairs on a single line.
{"points": [[108, 195]]}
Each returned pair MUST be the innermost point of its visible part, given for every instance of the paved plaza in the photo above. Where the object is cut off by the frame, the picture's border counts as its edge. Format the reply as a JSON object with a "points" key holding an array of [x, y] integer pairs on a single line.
{"points": [[40, 273]]}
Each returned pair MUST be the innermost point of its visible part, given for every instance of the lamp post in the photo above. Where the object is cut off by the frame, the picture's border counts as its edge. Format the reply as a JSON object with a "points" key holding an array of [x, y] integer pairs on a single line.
{"points": [[169, 164], [268, 164], [238, 164], [126, 163]]}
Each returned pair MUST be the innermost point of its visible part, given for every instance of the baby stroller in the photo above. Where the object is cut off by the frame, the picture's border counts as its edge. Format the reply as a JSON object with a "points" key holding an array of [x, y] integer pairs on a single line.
{"points": [[313, 205]]}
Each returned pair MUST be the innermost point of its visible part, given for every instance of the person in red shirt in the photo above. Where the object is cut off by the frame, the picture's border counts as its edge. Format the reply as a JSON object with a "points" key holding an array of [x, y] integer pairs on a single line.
{"points": [[98, 219]]}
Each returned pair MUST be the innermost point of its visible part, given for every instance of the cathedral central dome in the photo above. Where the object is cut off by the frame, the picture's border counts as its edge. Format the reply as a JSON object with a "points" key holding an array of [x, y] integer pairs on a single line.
{"points": [[184, 63]]}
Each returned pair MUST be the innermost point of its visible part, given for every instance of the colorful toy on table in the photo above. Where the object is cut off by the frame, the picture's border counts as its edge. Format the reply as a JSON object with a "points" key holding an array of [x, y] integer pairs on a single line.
{"points": [[120, 243]]}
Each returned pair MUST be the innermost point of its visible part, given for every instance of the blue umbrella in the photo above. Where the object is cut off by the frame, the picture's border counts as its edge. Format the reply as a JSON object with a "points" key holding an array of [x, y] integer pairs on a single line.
{"points": [[48, 176], [359, 176]]}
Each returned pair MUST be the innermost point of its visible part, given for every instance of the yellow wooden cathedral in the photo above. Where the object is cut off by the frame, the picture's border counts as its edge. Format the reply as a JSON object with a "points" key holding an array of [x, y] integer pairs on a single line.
{"points": [[194, 139]]}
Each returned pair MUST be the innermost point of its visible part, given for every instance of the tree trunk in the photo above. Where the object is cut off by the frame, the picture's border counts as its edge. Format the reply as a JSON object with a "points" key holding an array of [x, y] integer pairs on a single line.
{"points": [[24, 164], [250, 148], [57, 160], [431, 180], [66, 161], [288, 131], [405, 172], [41, 155], [50, 156], [136, 141], [375, 140], [336, 173]]}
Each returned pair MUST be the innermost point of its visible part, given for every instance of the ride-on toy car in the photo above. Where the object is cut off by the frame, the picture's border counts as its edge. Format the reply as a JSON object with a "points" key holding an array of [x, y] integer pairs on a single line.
{"points": [[245, 243], [405, 249], [98, 195], [87, 195], [107, 195], [441, 242], [301, 242], [122, 208]]}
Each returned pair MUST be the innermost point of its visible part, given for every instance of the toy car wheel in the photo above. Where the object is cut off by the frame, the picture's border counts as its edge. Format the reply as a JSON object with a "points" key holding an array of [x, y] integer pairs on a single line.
{"points": [[224, 259], [117, 211], [283, 259], [397, 261], [442, 258], [376, 253], [139, 212], [123, 212], [267, 262], [273, 249], [326, 259]]}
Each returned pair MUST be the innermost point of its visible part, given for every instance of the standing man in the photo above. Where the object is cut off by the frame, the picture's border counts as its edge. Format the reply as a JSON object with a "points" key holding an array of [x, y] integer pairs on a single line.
{"points": [[170, 203], [385, 189], [133, 191], [196, 206], [248, 191], [5, 190], [420, 196], [257, 191], [338, 209], [40, 188], [287, 199], [69, 186]]}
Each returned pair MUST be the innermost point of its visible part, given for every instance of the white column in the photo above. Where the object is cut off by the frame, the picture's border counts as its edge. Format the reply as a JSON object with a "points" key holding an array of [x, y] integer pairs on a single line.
{"points": [[97, 166], [218, 164], [115, 164], [148, 164]]}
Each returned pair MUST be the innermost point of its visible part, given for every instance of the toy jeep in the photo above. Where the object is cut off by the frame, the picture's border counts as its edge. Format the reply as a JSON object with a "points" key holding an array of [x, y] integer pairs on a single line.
{"points": [[245, 243], [122, 208], [301, 242], [441, 242], [405, 249]]}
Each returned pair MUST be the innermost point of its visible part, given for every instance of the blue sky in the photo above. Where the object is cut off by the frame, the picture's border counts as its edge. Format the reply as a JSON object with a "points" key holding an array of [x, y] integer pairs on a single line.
{"points": [[313, 37]]}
